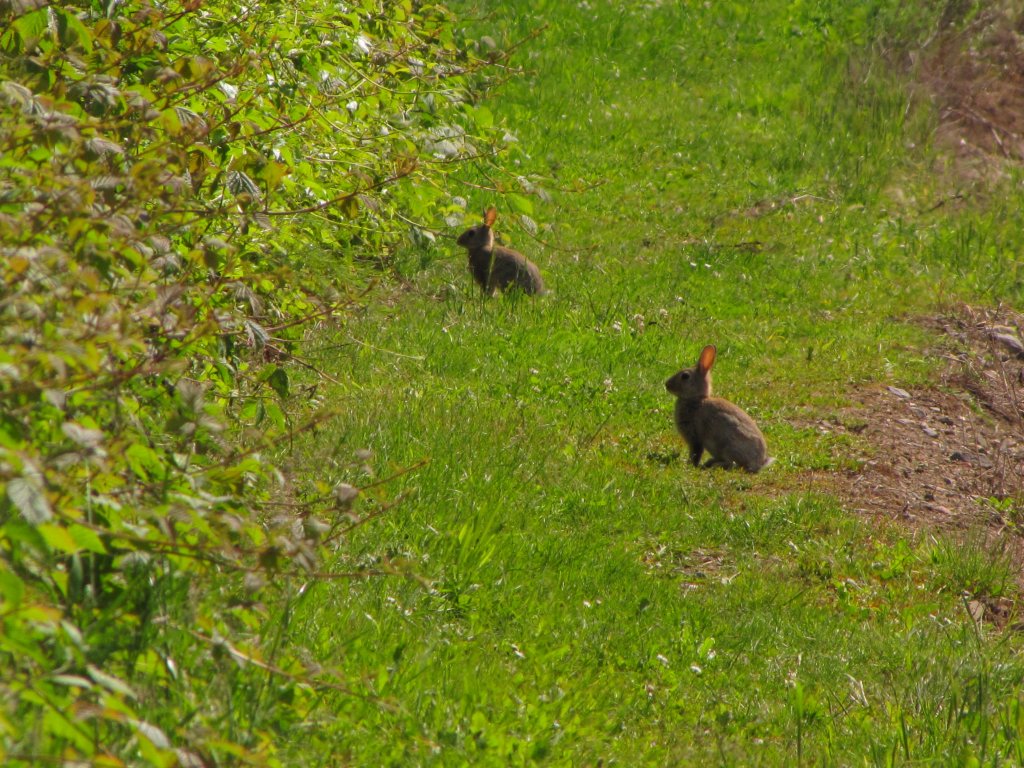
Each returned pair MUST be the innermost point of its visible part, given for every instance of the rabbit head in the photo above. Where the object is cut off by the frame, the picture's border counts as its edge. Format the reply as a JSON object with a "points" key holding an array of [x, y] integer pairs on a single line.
{"points": [[480, 237], [694, 383]]}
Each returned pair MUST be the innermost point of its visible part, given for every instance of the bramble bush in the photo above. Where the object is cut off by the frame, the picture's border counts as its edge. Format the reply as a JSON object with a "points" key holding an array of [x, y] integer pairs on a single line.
{"points": [[166, 174]]}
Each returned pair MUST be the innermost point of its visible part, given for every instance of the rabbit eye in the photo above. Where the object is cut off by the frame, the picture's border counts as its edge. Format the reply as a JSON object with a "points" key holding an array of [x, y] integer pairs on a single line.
{"points": [[684, 376]]}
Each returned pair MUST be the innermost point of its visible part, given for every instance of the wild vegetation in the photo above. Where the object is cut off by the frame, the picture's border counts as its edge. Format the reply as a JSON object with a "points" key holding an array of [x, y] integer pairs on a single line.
{"points": [[281, 487], [166, 175]]}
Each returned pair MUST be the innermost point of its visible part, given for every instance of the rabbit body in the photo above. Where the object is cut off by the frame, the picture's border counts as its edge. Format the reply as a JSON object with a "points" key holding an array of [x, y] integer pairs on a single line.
{"points": [[494, 266], [713, 424]]}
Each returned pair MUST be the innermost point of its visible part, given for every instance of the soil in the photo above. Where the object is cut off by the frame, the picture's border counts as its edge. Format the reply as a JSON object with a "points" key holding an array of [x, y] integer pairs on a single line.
{"points": [[951, 456], [975, 76]]}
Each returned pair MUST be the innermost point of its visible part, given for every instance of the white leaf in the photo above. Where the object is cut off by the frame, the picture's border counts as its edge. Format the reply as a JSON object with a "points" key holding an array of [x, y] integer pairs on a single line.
{"points": [[26, 493], [110, 682], [156, 736], [104, 147], [239, 184], [86, 438]]}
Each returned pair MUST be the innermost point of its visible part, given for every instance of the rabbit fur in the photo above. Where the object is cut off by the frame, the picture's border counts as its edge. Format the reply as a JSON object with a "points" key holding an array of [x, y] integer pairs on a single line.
{"points": [[494, 266], [714, 424]]}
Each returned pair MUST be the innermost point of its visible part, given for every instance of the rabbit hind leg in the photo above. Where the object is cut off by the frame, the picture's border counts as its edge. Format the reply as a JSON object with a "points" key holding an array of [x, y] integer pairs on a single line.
{"points": [[713, 463]]}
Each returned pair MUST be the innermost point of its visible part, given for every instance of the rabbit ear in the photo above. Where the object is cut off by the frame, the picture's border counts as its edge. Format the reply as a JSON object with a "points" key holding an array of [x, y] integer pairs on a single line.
{"points": [[490, 216], [707, 359]]}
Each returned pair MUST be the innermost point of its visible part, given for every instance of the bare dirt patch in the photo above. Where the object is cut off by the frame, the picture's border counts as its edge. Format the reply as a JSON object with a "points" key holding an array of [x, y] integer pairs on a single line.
{"points": [[949, 456], [976, 77]]}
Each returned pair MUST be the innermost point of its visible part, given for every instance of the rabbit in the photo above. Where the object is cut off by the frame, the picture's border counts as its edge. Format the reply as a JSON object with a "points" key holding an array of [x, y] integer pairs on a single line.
{"points": [[712, 424], [494, 266]]}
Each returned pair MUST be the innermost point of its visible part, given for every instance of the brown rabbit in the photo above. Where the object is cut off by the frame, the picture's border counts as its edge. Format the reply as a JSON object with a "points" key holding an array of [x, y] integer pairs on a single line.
{"points": [[712, 424], [494, 266]]}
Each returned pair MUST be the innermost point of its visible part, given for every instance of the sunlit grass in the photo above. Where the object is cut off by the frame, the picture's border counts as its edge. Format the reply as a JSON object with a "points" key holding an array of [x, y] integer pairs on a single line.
{"points": [[718, 173]]}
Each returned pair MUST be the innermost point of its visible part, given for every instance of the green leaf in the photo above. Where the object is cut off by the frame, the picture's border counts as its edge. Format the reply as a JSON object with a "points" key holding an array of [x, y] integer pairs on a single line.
{"points": [[275, 414], [18, 530], [58, 538], [483, 117], [72, 32], [272, 173], [252, 411], [40, 614], [58, 725], [278, 381], [31, 27], [12, 589], [87, 538], [350, 206], [144, 461], [521, 203]]}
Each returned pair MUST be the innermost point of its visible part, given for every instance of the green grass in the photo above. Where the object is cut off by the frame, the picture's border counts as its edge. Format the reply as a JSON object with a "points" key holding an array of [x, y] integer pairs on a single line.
{"points": [[750, 175]]}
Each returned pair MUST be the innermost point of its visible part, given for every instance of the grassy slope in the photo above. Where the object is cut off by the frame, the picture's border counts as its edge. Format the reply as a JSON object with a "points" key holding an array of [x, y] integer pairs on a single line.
{"points": [[595, 598]]}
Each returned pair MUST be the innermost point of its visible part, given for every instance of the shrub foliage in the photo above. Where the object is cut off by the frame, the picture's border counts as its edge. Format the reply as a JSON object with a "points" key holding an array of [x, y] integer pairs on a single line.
{"points": [[166, 171]]}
